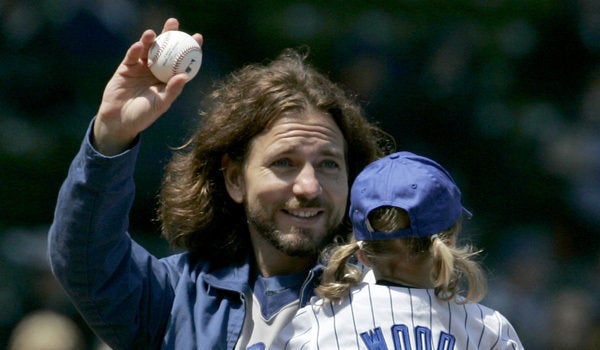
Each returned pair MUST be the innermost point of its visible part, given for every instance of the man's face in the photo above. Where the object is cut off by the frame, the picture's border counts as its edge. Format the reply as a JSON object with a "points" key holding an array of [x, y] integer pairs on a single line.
{"points": [[295, 183]]}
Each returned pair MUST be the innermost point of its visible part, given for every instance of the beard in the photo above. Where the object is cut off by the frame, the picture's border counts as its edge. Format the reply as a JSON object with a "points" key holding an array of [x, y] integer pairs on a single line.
{"points": [[292, 241]]}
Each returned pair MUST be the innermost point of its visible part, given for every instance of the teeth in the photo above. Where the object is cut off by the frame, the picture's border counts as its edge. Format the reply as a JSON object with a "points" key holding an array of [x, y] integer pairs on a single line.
{"points": [[305, 214]]}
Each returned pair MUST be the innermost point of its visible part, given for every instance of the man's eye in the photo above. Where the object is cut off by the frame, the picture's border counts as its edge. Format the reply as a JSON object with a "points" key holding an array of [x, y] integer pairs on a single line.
{"points": [[282, 163], [330, 164]]}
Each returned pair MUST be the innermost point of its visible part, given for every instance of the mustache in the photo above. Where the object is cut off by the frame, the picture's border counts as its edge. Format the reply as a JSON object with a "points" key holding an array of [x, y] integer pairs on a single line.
{"points": [[299, 204]]}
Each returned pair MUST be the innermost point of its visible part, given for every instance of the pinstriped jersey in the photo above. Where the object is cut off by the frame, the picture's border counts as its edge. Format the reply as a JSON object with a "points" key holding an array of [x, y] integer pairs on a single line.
{"points": [[384, 317]]}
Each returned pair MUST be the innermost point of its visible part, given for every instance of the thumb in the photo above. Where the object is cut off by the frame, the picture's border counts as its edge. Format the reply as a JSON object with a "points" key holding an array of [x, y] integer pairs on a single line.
{"points": [[174, 87]]}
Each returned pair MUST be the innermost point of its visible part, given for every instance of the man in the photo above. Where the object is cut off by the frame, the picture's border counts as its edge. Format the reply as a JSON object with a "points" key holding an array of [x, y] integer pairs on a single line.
{"points": [[258, 190]]}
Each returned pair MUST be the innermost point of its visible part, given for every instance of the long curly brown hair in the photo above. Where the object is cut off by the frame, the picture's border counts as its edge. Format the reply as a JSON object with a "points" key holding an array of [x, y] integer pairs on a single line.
{"points": [[195, 210]]}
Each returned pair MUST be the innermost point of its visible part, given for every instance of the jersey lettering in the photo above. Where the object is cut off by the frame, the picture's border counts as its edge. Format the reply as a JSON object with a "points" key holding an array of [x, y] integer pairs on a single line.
{"points": [[403, 343], [446, 341], [423, 338], [374, 340], [257, 346]]}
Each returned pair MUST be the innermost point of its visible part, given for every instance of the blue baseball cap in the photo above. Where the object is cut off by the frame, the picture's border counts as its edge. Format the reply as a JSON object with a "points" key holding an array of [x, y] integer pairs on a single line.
{"points": [[411, 182]]}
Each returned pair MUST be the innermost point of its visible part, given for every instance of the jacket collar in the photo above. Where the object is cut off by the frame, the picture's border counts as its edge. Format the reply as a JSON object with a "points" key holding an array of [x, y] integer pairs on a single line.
{"points": [[236, 278]]}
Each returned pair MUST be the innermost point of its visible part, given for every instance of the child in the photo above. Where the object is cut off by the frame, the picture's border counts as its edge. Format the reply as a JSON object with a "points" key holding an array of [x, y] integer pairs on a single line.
{"points": [[406, 213]]}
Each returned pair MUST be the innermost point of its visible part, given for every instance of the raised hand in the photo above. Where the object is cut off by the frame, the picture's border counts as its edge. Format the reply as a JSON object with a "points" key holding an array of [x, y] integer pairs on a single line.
{"points": [[134, 99]]}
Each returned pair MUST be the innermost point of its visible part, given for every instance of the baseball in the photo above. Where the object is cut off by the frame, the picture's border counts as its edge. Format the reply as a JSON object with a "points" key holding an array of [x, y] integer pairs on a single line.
{"points": [[174, 52]]}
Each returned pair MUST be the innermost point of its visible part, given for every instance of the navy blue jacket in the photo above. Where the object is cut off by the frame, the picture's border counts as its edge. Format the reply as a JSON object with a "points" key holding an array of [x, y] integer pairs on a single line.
{"points": [[129, 298]]}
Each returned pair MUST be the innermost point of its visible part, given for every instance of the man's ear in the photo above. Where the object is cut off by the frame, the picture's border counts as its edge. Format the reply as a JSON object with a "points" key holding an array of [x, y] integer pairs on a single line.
{"points": [[362, 258], [234, 181]]}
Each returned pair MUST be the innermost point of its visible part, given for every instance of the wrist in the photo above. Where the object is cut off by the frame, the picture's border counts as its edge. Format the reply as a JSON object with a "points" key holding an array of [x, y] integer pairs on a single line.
{"points": [[108, 140]]}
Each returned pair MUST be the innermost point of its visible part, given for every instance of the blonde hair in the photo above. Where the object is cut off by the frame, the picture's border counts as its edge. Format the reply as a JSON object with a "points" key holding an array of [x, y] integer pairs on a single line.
{"points": [[453, 267]]}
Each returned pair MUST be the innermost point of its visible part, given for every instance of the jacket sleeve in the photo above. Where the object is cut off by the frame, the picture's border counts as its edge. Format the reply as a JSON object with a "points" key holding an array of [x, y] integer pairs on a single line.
{"points": [[120, 289]]}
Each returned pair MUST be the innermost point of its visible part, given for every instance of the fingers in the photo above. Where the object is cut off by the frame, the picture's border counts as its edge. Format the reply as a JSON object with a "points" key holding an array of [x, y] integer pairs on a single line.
{"points": [[173, 24], [174, 87], [147, 39], [199, 38], [170, 24], [133, 54], [139, 49], [138, 54]]}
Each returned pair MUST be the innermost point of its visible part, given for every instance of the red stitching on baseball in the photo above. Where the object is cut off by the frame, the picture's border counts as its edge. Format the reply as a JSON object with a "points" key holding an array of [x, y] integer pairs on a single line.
{"points": [[181, 56], [161, 47]]}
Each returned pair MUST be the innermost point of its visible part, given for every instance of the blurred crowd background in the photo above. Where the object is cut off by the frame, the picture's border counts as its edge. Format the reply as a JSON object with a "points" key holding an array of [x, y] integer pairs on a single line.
{"points": [[504, 93]]}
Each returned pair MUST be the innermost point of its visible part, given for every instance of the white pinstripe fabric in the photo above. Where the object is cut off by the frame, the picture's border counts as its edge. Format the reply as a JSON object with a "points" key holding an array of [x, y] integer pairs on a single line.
{"points": [[405, 318]]}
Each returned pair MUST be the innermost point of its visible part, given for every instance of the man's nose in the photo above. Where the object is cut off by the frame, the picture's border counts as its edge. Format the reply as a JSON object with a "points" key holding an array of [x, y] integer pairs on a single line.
{"points": [[307, 184]]}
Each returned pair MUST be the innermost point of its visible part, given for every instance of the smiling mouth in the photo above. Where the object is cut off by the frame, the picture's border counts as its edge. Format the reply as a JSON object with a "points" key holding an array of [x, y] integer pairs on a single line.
{"points": [[304, 214]]}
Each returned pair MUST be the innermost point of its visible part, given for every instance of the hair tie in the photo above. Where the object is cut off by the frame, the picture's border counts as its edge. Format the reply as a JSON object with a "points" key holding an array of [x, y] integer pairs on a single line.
{"points": [[360, 244], [433, 237]]}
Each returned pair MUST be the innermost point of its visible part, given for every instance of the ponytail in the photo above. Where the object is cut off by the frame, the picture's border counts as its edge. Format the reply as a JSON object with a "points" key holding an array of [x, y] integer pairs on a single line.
{"points": [[453, 265], [339, 276]]}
